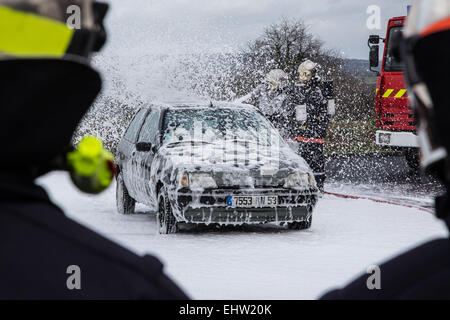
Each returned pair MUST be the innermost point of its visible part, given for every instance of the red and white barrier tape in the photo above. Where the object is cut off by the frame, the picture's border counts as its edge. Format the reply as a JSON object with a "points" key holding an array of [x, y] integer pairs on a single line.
{"points": [[308, 140]]}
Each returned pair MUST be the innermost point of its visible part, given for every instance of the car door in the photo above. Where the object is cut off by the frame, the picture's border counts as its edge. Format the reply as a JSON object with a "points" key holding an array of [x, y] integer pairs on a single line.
{"points": [[127, 149], [149, 133]]}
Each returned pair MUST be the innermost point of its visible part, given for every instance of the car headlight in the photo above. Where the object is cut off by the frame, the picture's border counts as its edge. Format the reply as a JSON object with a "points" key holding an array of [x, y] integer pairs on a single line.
{"points": [[299, 180], [197, 180]]}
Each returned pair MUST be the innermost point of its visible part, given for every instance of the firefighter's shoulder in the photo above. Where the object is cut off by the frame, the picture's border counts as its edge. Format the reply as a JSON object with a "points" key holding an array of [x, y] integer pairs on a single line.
{"points": [[60, 247], [425, 274]]}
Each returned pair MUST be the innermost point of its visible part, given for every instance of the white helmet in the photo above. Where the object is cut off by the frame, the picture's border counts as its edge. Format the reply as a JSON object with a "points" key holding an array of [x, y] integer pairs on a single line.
{"points": [[277, 78], [305, 71], [424, 15]]}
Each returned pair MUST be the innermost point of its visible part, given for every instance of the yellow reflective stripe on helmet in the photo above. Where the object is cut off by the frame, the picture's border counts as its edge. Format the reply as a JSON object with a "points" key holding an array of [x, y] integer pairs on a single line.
{"points": [[400, 93], [28, 35], [388, 93]]}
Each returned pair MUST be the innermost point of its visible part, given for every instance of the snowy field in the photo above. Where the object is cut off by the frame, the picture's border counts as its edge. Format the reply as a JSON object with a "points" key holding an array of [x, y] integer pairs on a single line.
{"points": [[264, 262]]}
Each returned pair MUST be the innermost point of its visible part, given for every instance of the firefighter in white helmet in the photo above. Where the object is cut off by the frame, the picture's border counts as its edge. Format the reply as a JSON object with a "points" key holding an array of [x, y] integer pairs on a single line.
{"points": [[272, 98], [314, 108], [423, 272]]}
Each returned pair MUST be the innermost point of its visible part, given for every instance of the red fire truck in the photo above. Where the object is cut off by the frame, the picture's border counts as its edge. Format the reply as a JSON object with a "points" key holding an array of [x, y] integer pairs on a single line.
{"points": [[395, 120]]}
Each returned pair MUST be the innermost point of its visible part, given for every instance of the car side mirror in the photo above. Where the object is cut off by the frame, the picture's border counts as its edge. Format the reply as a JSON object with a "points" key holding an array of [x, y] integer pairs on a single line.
{"points": [[373, 43], [374, 39], [143, 146], [374, 54]]}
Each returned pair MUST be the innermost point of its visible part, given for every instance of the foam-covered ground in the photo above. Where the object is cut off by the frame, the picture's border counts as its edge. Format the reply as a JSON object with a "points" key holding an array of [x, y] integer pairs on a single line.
{"points": [[265, 262]]}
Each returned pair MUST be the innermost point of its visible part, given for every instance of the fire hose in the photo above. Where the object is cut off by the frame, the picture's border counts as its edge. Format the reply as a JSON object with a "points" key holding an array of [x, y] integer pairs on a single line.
{"points": [[345, 196], [311, 140]]}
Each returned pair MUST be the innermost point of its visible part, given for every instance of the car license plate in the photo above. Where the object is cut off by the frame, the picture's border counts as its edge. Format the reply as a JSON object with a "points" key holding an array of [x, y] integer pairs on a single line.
{"points": [[252, 201]]}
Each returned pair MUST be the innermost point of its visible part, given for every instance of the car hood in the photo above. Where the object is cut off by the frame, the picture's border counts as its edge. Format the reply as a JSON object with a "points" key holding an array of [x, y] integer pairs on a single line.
{"points": [[232, 166]]}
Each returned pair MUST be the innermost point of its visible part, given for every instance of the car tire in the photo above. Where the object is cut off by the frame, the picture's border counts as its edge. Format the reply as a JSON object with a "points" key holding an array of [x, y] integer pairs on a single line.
{"points": [[125, 203], [301, 225], [166, 221]]}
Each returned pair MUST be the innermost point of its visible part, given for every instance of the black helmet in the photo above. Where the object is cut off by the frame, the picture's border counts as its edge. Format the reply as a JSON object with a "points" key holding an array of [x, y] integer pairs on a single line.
{"points": [[47, 83]]}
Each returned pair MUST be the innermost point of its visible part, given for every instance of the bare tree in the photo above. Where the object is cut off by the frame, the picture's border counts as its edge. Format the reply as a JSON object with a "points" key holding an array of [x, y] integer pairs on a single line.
{"points": [[285, 45]]}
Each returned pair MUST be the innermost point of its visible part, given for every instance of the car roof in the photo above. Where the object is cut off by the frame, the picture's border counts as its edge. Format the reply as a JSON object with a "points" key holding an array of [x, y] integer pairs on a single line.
{"points": [[201, 105]]}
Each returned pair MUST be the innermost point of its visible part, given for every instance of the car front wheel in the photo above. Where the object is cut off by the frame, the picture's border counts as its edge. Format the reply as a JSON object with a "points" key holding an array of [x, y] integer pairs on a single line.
{"points": [[125, 203], [166, 221]]}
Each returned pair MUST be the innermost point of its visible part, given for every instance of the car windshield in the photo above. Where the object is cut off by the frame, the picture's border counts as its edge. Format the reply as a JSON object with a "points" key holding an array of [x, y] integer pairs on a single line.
{"points": [[209, 126], [391, 63]]}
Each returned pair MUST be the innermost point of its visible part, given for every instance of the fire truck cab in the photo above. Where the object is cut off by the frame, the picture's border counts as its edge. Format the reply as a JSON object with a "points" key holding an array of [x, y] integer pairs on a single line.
{"points": [[395, 120]]}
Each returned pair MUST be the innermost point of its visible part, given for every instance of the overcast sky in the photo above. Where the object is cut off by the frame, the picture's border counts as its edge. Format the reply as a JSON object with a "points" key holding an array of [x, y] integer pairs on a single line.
{"points": [[228, 24]]}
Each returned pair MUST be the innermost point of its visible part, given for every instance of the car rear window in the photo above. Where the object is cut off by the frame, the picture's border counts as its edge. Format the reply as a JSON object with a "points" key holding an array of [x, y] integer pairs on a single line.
{"points": [[150, 129], [133, 129]]}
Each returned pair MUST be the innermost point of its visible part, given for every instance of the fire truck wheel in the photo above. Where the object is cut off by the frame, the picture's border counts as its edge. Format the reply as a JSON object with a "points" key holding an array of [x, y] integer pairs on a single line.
{"points": [[413, 158]]}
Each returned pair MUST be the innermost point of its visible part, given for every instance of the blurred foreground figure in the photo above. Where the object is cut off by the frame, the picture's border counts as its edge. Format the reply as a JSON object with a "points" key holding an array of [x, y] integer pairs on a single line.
{"points": [[424, 272], [46, 87]]}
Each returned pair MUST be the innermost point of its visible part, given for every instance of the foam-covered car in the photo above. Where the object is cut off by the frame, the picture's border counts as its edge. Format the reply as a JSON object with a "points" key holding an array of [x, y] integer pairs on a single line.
{"points": [[212, 163]]}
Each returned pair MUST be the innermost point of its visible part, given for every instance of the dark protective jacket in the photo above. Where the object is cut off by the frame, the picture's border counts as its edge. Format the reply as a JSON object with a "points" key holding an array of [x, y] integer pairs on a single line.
{"points": [[312, 132], [41, 103], [38, 243], [312, 95], [421, 273]]}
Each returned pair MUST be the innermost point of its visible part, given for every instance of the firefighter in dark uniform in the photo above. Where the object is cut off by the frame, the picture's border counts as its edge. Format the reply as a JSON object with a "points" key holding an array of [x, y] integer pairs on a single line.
{"points": [[47, 85], [423, 272], [314, 109]]}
